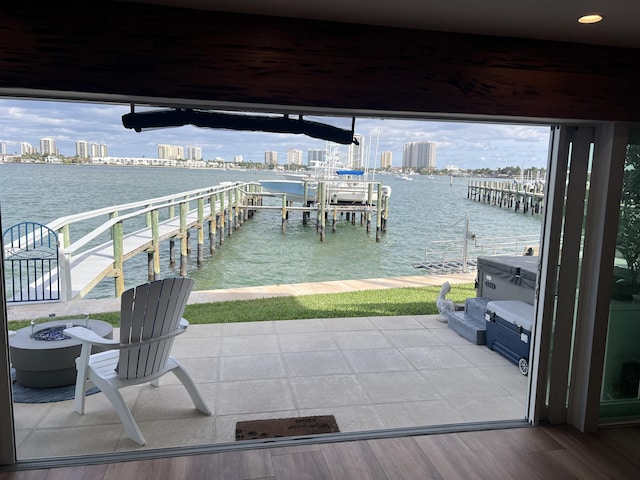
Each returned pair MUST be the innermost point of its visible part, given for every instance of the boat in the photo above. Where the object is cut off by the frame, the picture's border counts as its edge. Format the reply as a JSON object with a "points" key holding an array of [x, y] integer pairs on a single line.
{"points": [[343, 186], [293, 189], [349, 188]]}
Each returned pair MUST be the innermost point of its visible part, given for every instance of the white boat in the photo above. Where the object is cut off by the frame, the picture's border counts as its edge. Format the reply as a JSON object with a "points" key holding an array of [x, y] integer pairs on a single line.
{"points": [[348, 188], [342, 186], [293, 189]]}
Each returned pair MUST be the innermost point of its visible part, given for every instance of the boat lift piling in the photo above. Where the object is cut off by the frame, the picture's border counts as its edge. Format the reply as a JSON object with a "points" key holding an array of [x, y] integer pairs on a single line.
{"points": [[322, 210], [212, 225], [200, 251], [285, 214], [379, 222]]}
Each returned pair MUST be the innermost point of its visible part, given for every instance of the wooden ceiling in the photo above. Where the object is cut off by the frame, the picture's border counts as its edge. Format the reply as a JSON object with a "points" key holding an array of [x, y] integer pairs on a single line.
{"points": [[149, 54], [539, 19]]}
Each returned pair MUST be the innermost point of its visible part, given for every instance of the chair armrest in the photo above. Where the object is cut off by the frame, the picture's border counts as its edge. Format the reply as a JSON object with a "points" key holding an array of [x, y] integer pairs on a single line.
{"points": [[84, 335]]}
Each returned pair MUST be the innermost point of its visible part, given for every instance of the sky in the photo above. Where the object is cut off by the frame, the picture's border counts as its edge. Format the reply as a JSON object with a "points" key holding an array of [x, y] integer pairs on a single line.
{"points": [[464, 145]]}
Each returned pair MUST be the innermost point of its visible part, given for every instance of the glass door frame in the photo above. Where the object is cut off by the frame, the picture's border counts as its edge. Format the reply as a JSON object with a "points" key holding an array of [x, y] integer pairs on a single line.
{"points": [[571, 327], [579, 355]]}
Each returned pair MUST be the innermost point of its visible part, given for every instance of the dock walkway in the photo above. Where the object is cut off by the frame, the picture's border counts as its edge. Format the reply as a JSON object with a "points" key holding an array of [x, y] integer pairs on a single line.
{"points": [[91, 266], [124, 231]]}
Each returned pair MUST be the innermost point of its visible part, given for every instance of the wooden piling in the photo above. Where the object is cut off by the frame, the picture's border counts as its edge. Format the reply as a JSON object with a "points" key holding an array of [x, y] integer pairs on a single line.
{"points": [[222, 218], [508, 195], [154, 252], [229, 214], [172, 253], [184, 239], [117, 235], [381, 200], [283, 219], [200, 240], [212, 222], [236, 209], [323, 203]]}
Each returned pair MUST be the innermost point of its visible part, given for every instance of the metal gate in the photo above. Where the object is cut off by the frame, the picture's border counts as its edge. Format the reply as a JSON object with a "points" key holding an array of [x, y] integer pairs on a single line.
{"points": [[31, 263]]}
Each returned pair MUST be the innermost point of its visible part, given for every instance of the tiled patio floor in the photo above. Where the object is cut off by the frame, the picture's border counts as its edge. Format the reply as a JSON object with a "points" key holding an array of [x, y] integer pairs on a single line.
{"points": [[371, 373]]}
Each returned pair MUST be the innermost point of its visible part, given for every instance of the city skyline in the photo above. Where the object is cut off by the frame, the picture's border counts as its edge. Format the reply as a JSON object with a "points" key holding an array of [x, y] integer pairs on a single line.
{"points": [[463, 144]]}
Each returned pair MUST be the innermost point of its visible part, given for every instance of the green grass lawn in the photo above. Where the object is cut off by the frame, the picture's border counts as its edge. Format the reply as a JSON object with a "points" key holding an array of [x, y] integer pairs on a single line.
{"points": [[364, 303]]}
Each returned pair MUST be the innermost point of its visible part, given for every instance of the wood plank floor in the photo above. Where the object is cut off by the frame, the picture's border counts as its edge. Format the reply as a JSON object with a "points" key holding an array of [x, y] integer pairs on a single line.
{"points": [[547, 453]]}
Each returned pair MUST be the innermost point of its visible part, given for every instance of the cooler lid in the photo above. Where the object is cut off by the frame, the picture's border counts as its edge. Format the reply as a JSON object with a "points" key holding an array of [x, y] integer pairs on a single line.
{"points": [[508, 266], [510, 262], [515, 311]]}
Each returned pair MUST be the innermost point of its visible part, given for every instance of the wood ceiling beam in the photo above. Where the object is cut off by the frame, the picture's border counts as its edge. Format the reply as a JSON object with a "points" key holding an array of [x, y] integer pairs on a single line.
{"points": [[133, 50]]}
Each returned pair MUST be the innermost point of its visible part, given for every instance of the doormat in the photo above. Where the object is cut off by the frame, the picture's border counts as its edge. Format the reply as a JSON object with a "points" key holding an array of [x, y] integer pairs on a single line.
{"points": [[285, 427]]}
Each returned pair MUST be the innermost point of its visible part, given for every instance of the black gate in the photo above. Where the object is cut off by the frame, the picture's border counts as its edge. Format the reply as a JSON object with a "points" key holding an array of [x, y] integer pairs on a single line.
{"points": [[31, 263]]}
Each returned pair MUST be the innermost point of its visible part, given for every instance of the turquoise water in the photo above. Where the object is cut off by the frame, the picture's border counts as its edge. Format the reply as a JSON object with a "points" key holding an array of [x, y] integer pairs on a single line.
{"points": [[422, 210]]}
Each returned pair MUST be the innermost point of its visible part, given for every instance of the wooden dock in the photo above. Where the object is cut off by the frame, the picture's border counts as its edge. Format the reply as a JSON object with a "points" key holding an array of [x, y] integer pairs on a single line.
{"points": [[140, 227], [521, 196]]}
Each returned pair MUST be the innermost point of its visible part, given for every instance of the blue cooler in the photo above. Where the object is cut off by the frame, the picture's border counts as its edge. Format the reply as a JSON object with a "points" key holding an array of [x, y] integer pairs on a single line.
{"points": [[509, 324]]}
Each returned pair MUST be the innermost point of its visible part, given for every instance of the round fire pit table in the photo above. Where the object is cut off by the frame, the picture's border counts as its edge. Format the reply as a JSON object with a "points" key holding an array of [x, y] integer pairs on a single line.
{"points": [[43, 356]]}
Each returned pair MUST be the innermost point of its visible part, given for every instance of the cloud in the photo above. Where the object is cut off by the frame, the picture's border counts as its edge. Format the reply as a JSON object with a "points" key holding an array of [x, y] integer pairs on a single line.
{"points": [[465, 144]]}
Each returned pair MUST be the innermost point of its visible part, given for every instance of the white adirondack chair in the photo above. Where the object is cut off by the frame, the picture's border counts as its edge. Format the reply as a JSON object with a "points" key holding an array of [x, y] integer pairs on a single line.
{"points": [[150, 319]]}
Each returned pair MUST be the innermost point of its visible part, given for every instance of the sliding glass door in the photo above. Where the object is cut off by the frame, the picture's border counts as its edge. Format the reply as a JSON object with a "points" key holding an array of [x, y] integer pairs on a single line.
{"points": [[620, 394], [576, 278]]}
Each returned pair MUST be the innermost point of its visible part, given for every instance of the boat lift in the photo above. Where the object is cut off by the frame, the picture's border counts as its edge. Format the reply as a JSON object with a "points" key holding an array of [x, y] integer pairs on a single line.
{"points": [[460, 255]]}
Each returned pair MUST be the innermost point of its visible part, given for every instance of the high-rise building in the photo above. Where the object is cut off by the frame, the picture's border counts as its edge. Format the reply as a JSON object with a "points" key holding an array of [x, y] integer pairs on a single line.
{"points": [[194, 153], [170, 152], [316, 155], [271, 158], [48, 146], [98, 150], [82, 149], [27, 148], [103, 150], [356, 153], [294, 156], [419, 155], [386, 159]]}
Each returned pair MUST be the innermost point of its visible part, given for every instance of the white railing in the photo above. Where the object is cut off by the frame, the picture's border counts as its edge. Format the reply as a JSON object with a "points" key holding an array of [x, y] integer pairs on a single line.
{"points": [[94, 227], [447, 256]]}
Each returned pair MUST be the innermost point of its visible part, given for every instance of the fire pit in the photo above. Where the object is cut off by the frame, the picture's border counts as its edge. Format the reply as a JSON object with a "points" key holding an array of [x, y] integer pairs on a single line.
{"points": [[43, 356]]}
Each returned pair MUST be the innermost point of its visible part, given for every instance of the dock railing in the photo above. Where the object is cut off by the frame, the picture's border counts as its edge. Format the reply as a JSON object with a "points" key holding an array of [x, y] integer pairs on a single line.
{"points": [[448, 256], [99, 247]]}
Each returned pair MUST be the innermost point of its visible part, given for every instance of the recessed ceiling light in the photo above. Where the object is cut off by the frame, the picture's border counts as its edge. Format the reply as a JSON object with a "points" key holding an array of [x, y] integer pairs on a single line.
{"points": [[590, 18]]}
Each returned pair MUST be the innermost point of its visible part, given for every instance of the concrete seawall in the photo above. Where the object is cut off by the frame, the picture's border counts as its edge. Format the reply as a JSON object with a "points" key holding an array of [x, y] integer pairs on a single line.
{"points": [[76, 307]]}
